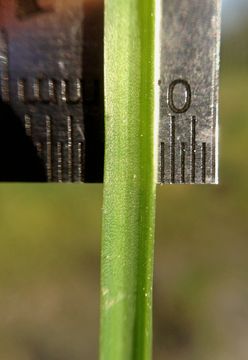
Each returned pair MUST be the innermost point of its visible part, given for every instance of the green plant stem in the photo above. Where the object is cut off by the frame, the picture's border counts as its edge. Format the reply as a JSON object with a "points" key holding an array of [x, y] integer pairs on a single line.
{"points": [[130, 181]]}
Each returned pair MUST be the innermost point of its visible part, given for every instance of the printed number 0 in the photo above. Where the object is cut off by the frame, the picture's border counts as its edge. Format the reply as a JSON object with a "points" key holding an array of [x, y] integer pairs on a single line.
{"points": [[187, 104]]}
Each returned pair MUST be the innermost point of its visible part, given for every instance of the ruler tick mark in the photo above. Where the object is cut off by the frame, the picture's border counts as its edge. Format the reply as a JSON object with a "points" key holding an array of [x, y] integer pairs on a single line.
{"points": [[28, 125], [52, 90], [49, 147], [204, 159], [80, 151], [36, 89], [70, 147], [79, 161], [21, 91], [59, 162], [4, 66], [188, 90], [193, 148]]}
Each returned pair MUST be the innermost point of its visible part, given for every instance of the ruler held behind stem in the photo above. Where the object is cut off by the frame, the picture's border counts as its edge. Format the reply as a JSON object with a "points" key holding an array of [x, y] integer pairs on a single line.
{"points": [[51, 91], [189, 70]]}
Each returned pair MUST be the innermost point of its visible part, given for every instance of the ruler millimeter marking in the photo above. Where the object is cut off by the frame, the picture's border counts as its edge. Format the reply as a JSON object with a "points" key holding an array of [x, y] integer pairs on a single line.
{"points": [[51, 78], [51, 82], [189, 67]]}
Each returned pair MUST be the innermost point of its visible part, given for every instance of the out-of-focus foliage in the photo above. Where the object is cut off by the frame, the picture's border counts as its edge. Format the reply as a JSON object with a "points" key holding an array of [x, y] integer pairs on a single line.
{"points": [[235, 49]]}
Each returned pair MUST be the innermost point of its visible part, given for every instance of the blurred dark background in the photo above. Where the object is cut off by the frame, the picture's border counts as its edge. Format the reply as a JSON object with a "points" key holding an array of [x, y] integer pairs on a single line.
{"points": [[50, 246]]}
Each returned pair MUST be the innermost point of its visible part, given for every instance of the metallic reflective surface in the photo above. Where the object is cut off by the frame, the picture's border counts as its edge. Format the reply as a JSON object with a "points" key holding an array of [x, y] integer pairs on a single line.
{"points": [[51, 91], [188, 129], [51, 73]]}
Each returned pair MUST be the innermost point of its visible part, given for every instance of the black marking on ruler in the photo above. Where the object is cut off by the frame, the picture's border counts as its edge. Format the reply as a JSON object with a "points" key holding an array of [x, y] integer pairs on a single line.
{"points": [[189, 95], [172, 149], [67, 89], [63, 94], [49, 91], [70, 147], [52, 91], [183, 150], [59, 162], [204, 158], [162, 162], [171, 103], [80, 152], [49, 147], [214, 149], [4, 66], [193, 148], [28, 125], [21, 90], [60, 152], [36, 90]]}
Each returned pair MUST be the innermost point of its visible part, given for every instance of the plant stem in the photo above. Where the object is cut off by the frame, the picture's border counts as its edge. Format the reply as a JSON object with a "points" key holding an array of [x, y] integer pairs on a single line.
{"points": [[130, 180]]}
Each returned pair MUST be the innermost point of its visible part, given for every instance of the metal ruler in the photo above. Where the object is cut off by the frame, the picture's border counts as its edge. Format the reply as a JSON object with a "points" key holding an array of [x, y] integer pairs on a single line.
{"points": [[51, 79], [51, 91], [189, 70]]}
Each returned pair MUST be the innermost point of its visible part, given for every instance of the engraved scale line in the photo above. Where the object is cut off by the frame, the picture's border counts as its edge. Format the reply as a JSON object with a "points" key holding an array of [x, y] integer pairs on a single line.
{"points": [[70, 147], [80, 151], [21, 93], [28, 125], [172, 148], [78, 87], [204, 158], [59, 162], [4, 66], [63, 93], [183, 151], [36, 89], [49, 147], [52, 90], [193, 148], [49, 90]]}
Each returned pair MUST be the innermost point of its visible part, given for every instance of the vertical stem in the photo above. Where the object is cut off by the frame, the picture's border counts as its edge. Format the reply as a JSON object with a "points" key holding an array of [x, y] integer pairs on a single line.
{"points": [[130, 180]]}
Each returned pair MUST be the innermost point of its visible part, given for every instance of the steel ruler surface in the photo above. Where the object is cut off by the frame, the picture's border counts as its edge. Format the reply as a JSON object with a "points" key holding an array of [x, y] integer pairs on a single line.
{"points": [[189, 70], [51, 91]]}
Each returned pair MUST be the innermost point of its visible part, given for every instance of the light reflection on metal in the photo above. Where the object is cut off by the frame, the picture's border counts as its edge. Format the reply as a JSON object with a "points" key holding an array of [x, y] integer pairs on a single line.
{"points": [[51, 75]]}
